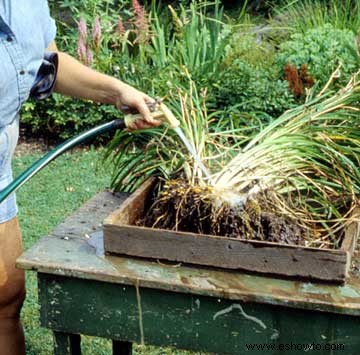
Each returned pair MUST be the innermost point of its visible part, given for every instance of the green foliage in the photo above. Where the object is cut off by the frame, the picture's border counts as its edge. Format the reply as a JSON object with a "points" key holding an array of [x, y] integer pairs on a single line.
{"points": [[249, 80], [322, 50], [154, 52], [302, 15], [62, 117], [253, 89], [157, 50], [307, 159]]}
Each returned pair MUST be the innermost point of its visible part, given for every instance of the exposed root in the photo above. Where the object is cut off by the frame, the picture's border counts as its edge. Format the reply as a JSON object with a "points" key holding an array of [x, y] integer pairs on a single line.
{"points": [[183, 207]]}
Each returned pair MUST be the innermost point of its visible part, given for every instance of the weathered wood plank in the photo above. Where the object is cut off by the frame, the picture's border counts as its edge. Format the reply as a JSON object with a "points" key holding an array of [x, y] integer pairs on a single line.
{"points": [[88, 218], [350, 240], [121, 237], [133, 206], [231, 254]]}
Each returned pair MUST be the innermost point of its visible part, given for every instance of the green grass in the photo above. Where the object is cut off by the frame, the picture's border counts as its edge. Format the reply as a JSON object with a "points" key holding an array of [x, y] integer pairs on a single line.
{"points": [[45, 201]]}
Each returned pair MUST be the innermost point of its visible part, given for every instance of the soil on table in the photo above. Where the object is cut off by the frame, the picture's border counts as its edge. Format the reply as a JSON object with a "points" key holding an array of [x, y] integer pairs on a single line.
{"points": [[181, 207]]}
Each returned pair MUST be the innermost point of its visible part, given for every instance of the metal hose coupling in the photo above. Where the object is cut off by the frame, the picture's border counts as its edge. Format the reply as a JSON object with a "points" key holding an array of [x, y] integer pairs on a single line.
{"points": [[119, 124], [159, 111]]}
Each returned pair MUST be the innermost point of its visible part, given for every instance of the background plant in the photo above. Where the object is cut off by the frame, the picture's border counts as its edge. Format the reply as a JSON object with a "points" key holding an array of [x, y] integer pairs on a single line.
{"points": [[299, 16], [322, 50], [237, 60], [250, 81], [138, 47], [59, 116], [197, 40]]}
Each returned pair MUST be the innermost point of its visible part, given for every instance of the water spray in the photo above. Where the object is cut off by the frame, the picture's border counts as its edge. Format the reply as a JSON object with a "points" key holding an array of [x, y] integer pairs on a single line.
{"points": [[161, 112]]}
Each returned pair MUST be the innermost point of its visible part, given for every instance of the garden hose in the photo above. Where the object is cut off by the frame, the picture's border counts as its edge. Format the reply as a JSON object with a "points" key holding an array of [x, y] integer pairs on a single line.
{"points": [[53, 154], [159, 111]]}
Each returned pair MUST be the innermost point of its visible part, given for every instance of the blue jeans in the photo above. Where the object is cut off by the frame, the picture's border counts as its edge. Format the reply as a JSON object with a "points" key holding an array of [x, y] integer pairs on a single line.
{"points": [[8, 139]]}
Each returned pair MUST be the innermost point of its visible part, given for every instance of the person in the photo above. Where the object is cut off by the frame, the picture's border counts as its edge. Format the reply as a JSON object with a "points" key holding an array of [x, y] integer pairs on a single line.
{"points": [[27, 31]]}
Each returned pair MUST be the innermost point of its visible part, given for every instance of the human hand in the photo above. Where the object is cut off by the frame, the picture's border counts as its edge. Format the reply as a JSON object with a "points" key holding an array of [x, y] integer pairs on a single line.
{"points": [[135, 101]]}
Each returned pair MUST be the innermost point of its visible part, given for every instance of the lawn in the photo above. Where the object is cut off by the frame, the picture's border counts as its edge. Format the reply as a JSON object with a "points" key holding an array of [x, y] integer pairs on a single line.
{"points": [[44, 202]]}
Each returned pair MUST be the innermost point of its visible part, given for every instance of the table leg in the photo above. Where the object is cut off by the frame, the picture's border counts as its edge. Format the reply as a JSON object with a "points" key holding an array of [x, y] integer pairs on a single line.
{"points": [[67, 344], [122, 348]]}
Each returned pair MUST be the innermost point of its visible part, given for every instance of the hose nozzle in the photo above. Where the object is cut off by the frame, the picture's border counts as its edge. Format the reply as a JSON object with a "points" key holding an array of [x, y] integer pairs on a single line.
{"points": [[159, 112]]}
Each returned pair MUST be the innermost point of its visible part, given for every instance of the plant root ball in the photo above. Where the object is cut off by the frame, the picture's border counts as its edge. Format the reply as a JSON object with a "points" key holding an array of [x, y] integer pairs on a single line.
{"points": [[180, 206]]}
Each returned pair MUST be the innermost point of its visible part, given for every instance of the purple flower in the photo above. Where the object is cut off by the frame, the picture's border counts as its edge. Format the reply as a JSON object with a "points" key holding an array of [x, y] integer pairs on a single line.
{"points": [[89, 57], [120, 27], [81, 50], [141, 22], [96, 34], [82, 29]]}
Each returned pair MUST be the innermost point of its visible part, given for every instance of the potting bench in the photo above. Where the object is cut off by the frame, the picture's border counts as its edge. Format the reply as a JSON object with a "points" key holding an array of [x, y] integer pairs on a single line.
{"points": [[129, 300]]}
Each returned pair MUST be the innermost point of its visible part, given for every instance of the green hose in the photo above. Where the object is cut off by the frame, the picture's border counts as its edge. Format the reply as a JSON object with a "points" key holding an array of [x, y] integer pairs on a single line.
{"points": [[62, 148]]}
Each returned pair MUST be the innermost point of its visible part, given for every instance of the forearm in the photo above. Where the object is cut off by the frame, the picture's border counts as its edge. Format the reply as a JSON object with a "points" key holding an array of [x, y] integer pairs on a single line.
{"points": [[77, 80]]}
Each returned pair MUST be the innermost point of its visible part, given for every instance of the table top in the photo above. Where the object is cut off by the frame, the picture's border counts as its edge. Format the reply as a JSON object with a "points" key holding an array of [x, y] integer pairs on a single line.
{"points": [[75, 249]]}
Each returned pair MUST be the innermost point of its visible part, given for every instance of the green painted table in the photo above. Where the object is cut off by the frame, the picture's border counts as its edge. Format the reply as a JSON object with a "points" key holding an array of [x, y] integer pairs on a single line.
{"points": [[128, 300]]}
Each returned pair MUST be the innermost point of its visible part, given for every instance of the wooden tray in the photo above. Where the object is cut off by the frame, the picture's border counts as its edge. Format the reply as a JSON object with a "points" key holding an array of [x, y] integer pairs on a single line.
{"points": [[121, 236]]}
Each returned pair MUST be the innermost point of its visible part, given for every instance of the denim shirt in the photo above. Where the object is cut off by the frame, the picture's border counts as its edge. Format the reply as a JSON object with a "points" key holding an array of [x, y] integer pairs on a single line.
{"points": [[26, 30]]}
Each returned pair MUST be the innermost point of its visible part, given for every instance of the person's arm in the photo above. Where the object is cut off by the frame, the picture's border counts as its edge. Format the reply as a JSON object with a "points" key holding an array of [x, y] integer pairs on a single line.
{"points": [[77, 80]]}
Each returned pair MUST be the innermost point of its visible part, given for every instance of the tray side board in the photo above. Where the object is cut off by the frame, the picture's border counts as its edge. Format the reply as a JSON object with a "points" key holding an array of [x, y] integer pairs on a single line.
{"points": [[132, 208], [351, 236], [122, 237]]}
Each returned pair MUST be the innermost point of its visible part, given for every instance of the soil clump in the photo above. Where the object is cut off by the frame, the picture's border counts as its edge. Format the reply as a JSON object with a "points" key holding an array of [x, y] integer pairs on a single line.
{"points": [[176, 205]]}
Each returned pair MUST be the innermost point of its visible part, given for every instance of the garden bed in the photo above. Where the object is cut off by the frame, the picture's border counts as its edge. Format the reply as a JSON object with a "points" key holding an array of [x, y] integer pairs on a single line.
{"points": [[123, 236]]}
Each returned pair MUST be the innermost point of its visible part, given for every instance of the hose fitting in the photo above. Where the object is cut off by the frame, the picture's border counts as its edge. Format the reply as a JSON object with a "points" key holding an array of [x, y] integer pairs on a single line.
{"points": [[159, 112]]}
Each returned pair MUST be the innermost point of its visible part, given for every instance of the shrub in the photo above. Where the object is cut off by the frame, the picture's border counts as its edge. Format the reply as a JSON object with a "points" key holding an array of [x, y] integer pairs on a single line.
{"points": [[252, 89], [249, 80], [321, 50], [61, 117]]}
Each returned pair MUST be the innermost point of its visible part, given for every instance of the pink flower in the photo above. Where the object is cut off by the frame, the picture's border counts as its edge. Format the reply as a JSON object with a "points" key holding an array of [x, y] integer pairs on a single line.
{"points": [[120, 27], [140, 19], [82, 29], [96, 34], [89, 57], [81, 50], [141, 22], [138, 9]]}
